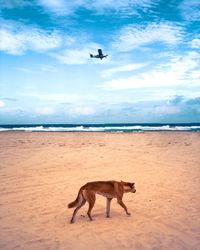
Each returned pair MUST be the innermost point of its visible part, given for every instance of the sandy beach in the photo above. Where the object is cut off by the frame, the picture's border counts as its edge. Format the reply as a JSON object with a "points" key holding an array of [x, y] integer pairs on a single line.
{"points": [[41, 173]]}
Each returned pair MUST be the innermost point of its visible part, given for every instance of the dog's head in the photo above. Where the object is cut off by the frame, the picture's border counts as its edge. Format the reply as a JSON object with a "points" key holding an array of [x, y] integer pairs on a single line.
{"points": [[129, 186]]}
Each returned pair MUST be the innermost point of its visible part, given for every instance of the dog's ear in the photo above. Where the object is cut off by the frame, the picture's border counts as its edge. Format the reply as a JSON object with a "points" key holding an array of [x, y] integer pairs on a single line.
{"points": [[122, 181], [132, 184]]}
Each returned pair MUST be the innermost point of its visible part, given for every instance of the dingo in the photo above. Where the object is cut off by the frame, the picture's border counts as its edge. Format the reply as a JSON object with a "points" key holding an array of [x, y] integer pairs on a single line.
{"points": [[109, 189]]}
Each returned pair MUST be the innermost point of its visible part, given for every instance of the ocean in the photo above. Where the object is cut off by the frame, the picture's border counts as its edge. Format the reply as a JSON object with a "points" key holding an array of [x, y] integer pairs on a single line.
{"points": [[116, 127]]}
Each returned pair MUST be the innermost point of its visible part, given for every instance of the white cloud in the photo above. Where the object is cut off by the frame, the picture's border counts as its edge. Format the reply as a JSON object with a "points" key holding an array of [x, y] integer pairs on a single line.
{"points": [[125, 68], [40, 69], [125, 7], [13, 110], [80, 55], [2, 104], [131, 36], [56, 97], [60, 7], [73, 56], [28, 87], [167, 110], [195, 43], [48, 68], [59, 97], [16, 40], [26, 70], [190, 10], [44, 111], [179, 71], [9, 4], [83, 110]]}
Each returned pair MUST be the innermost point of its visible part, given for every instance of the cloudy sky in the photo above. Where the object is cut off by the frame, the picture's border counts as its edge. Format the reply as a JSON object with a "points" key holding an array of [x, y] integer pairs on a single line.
{"points": [[152, 73]]}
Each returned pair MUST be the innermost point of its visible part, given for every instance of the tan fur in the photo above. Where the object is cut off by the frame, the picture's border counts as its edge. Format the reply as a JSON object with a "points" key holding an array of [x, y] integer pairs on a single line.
{"points": [[108, 189]]}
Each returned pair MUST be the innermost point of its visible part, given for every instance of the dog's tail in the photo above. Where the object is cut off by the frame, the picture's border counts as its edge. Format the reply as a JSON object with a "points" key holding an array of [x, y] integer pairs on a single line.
{"points": [[78, 200]]}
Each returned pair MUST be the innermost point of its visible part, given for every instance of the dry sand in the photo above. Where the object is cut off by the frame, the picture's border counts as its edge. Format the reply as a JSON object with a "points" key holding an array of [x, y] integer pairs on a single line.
{"points": [[41, 173]]}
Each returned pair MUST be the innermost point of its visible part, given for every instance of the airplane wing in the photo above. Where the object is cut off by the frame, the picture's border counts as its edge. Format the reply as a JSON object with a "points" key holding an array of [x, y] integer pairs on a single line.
{"points": [[100, 52]]}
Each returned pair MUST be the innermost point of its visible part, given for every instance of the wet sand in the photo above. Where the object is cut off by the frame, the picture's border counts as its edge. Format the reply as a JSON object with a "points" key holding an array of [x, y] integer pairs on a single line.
{"points": [[41, 173]]}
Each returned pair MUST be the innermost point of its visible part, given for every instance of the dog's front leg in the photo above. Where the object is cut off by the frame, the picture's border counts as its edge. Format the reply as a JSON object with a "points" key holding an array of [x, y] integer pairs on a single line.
{"points": [[108, 207], [120, 202]]}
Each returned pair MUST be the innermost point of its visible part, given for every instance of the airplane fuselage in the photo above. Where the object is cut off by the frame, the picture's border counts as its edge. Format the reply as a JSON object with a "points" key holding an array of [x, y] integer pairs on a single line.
{"points": [[100, 55]]}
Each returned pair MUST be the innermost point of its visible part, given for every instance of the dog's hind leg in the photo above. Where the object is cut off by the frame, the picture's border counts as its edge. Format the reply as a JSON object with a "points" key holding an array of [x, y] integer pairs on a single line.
{"points": [[91, 200], [76, 210], [108, 207]]}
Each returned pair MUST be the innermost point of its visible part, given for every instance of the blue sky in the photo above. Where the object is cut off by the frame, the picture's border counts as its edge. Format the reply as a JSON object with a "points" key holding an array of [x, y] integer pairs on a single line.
{"points": [[152, 73]]}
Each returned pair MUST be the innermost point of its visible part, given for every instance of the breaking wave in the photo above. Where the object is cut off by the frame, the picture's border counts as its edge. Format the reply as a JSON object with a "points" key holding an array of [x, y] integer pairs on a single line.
{"points": [[101, 128]]}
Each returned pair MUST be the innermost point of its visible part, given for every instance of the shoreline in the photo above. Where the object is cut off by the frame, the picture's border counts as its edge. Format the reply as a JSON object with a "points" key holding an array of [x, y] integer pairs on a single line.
{"points": [[112, 128], [106, 132]]}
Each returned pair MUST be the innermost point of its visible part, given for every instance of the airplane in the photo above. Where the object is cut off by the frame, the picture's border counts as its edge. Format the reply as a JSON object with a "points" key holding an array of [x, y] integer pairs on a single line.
{"points": [[100, 55]]}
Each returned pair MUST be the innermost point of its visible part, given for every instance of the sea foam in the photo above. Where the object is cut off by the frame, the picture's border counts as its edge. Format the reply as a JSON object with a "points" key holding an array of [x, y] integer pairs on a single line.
{"points": [[101, 128]]}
